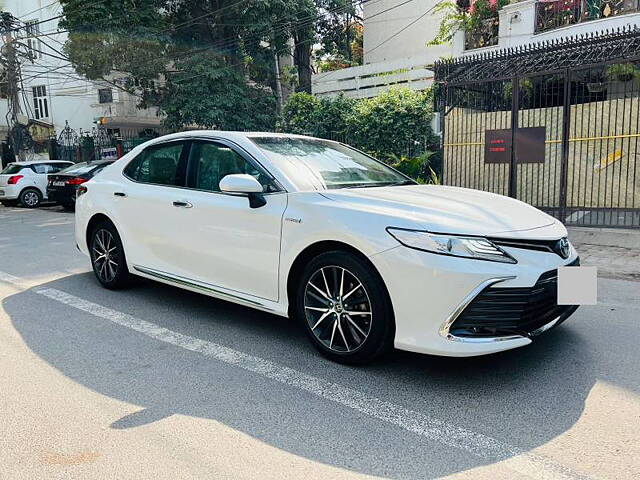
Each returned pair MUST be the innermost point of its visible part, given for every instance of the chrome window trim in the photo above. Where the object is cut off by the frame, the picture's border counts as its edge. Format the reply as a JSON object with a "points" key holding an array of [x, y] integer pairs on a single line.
{"points": [[246, 155]]}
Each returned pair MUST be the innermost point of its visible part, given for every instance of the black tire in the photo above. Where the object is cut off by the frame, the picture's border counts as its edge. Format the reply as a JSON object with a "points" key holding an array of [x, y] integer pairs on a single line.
{"points": [[30, 198], [110, 269], [347, 334], [70, 207]]}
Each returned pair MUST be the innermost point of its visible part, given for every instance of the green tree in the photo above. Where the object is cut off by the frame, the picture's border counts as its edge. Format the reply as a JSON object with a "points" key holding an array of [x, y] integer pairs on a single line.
{"points": [[204, 62], [339, 33]]}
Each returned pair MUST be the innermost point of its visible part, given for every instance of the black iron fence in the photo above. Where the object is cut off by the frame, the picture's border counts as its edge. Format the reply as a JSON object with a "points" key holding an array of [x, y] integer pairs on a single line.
{"points": [[556, 125], [95, 144]]}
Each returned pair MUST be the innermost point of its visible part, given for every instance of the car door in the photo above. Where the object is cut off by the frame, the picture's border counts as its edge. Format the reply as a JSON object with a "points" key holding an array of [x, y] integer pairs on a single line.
{"points": [[143, 206], [221, 240], [40, 176]]}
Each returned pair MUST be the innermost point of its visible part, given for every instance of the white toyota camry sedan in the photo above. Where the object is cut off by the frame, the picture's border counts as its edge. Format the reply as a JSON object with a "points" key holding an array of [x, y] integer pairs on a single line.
{"points": [[313, 229]]}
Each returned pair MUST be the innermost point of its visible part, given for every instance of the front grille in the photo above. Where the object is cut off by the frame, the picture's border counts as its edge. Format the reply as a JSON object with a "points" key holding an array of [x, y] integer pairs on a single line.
{"points": [[552, 246], [500, 311]]}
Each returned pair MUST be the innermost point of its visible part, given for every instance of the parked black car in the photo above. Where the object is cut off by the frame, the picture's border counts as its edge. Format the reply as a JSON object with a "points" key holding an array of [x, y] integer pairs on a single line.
{"points": [[62, 186]]}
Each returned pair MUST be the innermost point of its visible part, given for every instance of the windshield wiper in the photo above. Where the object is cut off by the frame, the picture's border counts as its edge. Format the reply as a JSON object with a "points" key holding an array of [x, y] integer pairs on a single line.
{"points": [[378, 184], [405, 182]]}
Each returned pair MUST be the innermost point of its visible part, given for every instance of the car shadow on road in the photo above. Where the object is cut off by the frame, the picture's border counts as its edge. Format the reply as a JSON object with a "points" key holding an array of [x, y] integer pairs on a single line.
{"points": [[524, 397]]}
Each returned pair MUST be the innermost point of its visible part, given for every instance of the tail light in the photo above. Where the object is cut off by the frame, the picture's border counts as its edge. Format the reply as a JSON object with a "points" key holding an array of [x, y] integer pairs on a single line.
{"points": [[81, 190], [14, 179], [76, 181]]}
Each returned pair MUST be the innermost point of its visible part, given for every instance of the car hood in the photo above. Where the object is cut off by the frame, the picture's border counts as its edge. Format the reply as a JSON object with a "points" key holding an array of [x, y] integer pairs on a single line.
{"points": [[453, 210]]}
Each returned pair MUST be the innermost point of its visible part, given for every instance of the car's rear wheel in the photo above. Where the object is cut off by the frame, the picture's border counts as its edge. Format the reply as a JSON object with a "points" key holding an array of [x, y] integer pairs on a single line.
{"points": [[30, 198], [107, 257], [345, 308]]}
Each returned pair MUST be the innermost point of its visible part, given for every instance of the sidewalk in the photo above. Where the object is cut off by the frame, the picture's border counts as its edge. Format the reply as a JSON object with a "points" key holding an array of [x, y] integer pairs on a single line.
{"points": [[616, 252]]}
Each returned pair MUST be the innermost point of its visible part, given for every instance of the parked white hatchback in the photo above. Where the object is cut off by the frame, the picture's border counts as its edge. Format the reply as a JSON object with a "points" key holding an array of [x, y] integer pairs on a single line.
{"points": [[26, 182], [362, 255]]}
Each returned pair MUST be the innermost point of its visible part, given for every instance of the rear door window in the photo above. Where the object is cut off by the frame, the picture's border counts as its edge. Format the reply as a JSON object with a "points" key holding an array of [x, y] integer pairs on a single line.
{"points": [[11, 169], [158, 165]]}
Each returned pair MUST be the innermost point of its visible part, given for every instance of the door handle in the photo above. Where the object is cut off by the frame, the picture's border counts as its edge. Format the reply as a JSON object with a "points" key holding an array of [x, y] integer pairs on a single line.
{"points": [[120, 194], [182, 204]]}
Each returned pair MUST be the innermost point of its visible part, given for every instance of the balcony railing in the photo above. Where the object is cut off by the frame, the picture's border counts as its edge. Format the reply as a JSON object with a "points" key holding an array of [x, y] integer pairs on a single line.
{"points": [[552, 14], [484, 35]]}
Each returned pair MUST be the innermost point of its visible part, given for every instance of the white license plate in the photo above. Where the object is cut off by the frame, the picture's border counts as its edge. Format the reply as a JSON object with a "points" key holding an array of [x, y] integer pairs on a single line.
{"points": [[59, 184], [577, 286]]}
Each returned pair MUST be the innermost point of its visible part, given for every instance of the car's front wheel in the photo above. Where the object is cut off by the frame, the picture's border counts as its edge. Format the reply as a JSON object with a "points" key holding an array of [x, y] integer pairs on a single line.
{"points": [[345, 308], [107, 257], [30, 198]]}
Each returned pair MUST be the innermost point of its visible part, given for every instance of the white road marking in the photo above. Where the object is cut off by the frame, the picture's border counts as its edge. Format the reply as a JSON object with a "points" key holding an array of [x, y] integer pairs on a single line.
{"points": [[8, 278], [478, 444]]}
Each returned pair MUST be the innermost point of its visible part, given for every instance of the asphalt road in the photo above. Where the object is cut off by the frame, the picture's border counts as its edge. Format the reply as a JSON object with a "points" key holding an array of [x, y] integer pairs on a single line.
{"points": [[155, 382]]}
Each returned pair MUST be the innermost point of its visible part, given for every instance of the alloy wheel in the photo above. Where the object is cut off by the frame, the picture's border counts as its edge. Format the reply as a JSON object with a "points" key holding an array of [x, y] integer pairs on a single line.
{"points": [[105, 255], [30, 198], [338, 309]]}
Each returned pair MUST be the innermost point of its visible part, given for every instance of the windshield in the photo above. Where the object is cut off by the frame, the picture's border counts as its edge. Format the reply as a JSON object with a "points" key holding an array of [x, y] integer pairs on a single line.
{"points": [[331, 164], [12, 168]]}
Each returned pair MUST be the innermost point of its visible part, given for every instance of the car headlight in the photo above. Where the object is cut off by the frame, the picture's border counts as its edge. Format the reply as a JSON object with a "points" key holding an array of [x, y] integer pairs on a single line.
{"points": [[455, 245]]}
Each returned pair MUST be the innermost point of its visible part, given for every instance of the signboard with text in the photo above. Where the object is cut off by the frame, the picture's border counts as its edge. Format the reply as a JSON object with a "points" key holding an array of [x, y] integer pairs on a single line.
{"points": [[530, 146]]}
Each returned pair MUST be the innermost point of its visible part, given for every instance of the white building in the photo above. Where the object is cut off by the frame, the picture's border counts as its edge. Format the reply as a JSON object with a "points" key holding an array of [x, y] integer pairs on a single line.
{"points": [[52, 92], [396, 34]]}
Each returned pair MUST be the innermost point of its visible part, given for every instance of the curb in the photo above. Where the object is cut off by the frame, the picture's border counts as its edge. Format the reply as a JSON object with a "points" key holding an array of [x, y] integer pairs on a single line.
{"points": [[606, 237]]}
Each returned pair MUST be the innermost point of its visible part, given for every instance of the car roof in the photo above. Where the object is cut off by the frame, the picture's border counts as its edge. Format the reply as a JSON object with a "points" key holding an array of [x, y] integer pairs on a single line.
{"points": [[36, 162], [96, 162], [230, 135]]}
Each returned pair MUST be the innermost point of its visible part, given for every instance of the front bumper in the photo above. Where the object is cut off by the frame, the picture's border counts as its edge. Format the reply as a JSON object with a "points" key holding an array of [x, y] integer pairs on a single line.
{"points": [[431, 292]]}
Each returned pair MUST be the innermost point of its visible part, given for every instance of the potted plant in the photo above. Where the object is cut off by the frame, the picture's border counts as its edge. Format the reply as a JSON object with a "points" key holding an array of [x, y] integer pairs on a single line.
{"points": [[622, 72]]}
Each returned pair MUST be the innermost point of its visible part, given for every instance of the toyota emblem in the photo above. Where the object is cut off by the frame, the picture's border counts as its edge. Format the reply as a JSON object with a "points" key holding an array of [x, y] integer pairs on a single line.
{"points": [[563, 248]]}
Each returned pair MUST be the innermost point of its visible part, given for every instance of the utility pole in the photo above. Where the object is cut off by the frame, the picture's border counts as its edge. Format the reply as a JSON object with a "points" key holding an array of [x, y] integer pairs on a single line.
{"points": [[276, 63], [10, 61]]}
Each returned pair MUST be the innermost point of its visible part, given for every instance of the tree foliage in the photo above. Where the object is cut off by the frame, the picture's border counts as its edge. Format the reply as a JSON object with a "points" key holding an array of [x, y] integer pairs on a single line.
{"points": [[340, 34], [204, 62], [394, 126]]}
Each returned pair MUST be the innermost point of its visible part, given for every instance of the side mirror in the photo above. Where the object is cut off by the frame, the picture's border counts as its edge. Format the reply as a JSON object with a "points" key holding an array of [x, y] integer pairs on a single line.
{"points": [[240, 183], [243, 183]]}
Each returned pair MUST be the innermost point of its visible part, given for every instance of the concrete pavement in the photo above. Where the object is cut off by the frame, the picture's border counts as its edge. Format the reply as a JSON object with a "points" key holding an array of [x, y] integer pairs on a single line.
{"points": [[616, 252], [156, 382]]}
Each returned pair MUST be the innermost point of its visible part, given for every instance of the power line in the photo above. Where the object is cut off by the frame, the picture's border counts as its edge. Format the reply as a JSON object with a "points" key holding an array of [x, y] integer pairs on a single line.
{"points": [[416, 20], [38, 9], [387, 9], [228, 42], [394, 35]]}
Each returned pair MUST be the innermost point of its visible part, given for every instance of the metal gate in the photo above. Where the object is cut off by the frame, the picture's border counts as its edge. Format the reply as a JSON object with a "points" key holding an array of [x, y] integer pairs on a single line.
{"points": [[556, 125]]}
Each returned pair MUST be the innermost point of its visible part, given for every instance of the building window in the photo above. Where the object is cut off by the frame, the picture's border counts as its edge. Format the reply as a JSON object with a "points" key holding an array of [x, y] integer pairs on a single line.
{"points": [[32, 27], [105, 95], [40, 103]]}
